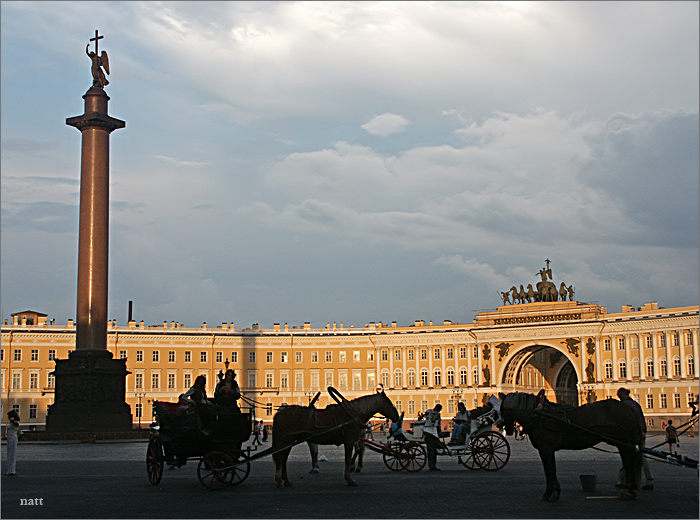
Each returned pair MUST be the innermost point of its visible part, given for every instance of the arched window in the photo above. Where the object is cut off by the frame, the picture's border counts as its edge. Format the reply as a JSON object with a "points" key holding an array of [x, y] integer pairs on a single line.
{"points": [[437, 377], [650, 367], [622, 365], [398, 380], [450, 376], [690, 362], [424, 377], [635, 367], [663, 368], [676, 366], [463, 376], [411, 377], [385, 377], [608, 369], [475, 376]]}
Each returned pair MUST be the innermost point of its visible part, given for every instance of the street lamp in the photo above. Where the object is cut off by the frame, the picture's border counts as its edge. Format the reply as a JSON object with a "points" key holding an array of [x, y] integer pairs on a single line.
{"points": [[140, 395], [221, 374]]}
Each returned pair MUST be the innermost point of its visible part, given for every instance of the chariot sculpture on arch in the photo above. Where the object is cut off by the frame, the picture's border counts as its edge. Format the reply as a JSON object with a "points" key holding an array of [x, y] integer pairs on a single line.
{"points": [[99, 62]]}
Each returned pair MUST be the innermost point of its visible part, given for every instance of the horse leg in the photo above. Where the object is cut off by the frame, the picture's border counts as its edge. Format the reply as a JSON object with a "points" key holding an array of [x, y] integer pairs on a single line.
{"points": [[285, 456], [313, 448], [632, 464], [348, 464], [360, 456], [280, 459], [278, 469], [553, 490]]}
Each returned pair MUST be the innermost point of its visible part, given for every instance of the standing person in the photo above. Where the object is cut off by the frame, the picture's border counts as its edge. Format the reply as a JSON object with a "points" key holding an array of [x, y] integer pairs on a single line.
{"points": [[257, 433], [227, 391], [461, 421], [264, 434], [672, 438], [623, 394], [12, 437], [431, 435]]}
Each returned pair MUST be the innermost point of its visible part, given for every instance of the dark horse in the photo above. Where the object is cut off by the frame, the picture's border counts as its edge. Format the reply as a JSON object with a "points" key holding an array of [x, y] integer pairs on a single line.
{"points": [[611, 419], [335, 424]]}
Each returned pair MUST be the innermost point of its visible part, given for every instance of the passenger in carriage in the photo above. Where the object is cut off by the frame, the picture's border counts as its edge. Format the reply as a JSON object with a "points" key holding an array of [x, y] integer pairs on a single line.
{"points": [[197, 396], [227, 391], [431, 435], [461, 428]]}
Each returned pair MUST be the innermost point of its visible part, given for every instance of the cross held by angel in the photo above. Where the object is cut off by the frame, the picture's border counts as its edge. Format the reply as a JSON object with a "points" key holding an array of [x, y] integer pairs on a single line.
{"points": [[99, 62]]}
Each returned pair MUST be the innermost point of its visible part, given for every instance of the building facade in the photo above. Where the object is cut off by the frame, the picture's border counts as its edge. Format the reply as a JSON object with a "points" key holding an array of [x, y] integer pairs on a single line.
{"points": [[576, 351]]}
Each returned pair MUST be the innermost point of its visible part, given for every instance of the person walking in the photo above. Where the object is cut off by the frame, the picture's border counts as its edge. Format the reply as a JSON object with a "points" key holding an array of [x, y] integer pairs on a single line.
{"points": [[12, 438], [431, 435], [623, 394], [258, 432], [672, 438]]}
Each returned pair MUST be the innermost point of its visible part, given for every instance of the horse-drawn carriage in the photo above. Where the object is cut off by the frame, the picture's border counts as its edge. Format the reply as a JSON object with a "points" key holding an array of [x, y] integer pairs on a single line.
{"points": [[178, 436], [483, 447]]}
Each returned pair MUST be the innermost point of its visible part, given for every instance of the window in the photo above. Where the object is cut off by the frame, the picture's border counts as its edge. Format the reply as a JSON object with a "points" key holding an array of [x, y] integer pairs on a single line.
{"points": [[269, 380], [450, 406], [342, 357], [268, 408], [251, 357], [33, 380], [675, 340], [647, 341], [18, 355], [156, 356], [620, 343], [329, 356], [690, 361], [138, 381], [450, 377], [370, 380], [188, 356], [423, 406], [314, 357], [463, 376], [676, 400], [411, 407], [138, 410], [234, 357], [284, 357], [650, 367], [203, 356], [622, 365], [32, 411], [437, 377], [35, 354], [187, 381], [662, 400], [608, 369], [171, 356], [356, 356], [16, 380], [343, 380], [171, 380], [450, 353], [411, 375], [424, 377], [663, 368], [52, 354], [252, 379], [2, 355], [662, 340], [689, 339], [475, 353], [475, 376], [398, 380], [606, 344], [298, 356], [299, 380], [676, 366], [314, 380], [650, 401], [139, 356], [219, 357], [329, 379], [385, 355], [122, 354], [397, 354], [424, 353], [370, 355], [411, 354], [635, 367], [385, 377], [155, 381], [356, 379], [691, 398], [436, 353], [51, 381]]}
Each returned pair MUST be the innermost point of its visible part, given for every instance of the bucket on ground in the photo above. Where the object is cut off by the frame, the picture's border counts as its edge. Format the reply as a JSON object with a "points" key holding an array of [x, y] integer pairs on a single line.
{"points": [[588, 482]]}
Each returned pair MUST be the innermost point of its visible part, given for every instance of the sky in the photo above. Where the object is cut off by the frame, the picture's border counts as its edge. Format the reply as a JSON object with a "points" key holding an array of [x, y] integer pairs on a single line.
{"points": [[350, 162]]}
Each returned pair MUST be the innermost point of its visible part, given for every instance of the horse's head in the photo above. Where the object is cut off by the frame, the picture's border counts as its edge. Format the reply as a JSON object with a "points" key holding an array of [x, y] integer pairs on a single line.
{"points": [[507, 414], [386, 407], [517, 406]]}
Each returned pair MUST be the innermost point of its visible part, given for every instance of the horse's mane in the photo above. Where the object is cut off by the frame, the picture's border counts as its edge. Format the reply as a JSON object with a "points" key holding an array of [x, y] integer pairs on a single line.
{"points": [[520, 401]]}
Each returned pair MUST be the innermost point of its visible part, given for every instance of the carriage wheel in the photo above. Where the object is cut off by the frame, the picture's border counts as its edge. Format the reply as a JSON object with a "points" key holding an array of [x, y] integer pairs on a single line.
{"points": [[155, 460], [413, 456], [392, 459], [215, 471], [469, 461], [495, 453], [239, 473]]}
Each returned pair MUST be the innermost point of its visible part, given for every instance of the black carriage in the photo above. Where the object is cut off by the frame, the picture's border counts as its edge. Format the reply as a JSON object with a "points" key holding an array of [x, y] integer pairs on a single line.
{"points": [[179, 436]]}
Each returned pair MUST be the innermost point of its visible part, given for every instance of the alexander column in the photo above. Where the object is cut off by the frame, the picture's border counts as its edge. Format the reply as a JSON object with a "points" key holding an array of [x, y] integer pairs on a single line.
{"points": [[90, 385]]}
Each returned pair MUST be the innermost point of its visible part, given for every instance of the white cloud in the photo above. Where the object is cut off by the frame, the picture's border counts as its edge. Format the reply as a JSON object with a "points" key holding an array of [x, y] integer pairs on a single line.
{"points": [[386, 124]]}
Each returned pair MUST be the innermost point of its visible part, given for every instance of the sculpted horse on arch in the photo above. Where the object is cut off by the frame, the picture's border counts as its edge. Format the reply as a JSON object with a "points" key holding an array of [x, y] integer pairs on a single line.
{"points": [[336, 424], [610, 418]]}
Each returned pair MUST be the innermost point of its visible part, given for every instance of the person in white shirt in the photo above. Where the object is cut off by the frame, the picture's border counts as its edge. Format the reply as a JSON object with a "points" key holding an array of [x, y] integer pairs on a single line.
{"points": [[431, 435], [461, 421]]}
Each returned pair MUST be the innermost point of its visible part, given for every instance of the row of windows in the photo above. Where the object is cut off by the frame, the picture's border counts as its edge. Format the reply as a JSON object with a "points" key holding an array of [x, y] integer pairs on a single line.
{"points": [[423, 352], [663, 400], [650, 367], [425, 379], [675, 341]]}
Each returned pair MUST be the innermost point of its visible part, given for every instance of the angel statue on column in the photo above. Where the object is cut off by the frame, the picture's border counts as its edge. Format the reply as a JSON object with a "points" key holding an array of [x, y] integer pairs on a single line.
{"points": [[98, 63]]}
